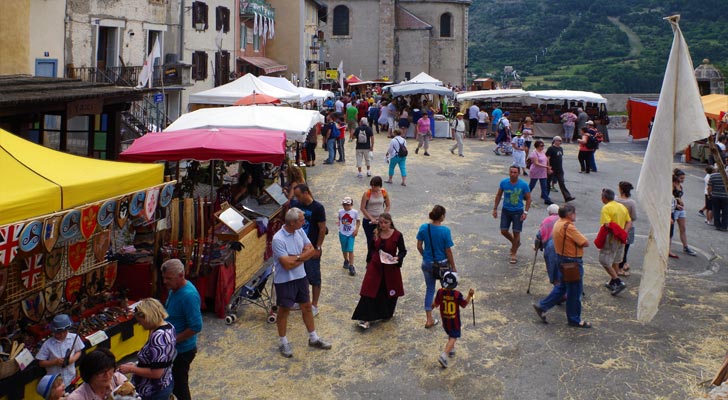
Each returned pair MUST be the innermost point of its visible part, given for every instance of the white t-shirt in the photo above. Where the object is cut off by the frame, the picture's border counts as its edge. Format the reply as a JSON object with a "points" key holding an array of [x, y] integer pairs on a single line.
{"points": [[706, 179], [482, 116], [473, 112], [339, 106], [347, 221]]}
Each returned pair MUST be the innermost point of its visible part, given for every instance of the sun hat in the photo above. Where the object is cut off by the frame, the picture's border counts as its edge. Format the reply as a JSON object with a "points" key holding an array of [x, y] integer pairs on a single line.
{"points": [[347, 200], [460, 114], [61, 322], [45, 385]]}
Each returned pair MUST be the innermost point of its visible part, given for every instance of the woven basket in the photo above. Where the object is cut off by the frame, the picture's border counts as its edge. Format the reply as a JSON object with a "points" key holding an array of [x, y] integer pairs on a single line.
{"points": [[8, 368]]}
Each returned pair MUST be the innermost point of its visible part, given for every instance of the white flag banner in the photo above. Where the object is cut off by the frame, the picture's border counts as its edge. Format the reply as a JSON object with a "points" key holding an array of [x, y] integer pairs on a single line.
{"points": [[265, 30], [147, 71], [679, 121], [341, 74], [272, 28], [255, 24]]}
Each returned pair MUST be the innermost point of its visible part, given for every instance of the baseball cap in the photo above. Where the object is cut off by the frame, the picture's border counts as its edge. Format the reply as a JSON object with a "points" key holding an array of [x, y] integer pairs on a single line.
{"points": [[60, 323], [347, 200], [556, 138], [45, 385], [460, 114], [590, 122], [507, 113]]}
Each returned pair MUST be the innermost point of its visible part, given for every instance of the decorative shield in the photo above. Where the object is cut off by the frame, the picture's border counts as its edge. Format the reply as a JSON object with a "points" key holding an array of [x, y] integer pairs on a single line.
{"points": [[106, 213], [137, 204], [71, 225], [109, 275], [150, 203], [53, 262], [166, 196], [30, 237], [3, 282], [77, 254], [94, 281], [53, 296], [31, 270], [9, 241], [73, 287], [51, 226], [89, 220], [122, 210], [34, 306], [102, 241]]}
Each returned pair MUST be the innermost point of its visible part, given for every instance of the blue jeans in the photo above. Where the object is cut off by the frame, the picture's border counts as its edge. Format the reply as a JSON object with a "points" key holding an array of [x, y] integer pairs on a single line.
{"points": [[331, 147], [591, 159], [545, 190], [552, 261], [402, 162], [573, 294], [340, 142], [430, 284], [162, 395]]}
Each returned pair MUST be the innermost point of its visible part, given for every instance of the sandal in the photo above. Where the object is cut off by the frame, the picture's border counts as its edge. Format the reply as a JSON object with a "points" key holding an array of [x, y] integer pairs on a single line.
{"points": [[388, 182], [434, 323], [626, 267], [673, 255], [583, 324], [624, 273], [513, 260], [404, 184]]}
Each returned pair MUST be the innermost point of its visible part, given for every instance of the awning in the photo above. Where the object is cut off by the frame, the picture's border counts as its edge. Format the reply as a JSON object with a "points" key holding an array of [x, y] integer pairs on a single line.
{"points": [[268, 65]]}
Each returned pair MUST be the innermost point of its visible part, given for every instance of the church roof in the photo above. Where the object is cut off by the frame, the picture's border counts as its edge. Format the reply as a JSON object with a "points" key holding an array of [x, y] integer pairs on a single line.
{"points": [[406, 20]]}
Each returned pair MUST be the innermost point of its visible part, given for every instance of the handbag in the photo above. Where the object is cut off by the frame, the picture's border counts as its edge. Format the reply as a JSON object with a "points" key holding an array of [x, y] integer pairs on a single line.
{"points": [[569, 270], [438, 268]]}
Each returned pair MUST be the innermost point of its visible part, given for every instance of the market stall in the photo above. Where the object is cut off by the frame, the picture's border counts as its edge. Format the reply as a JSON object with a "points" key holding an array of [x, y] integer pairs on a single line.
{"points": [[229, 93], [64, 220], [416, 93]]}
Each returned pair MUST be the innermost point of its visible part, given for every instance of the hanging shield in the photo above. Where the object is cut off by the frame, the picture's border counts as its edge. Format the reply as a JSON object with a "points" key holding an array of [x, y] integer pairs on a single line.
{"points": [[71, 225], [50, 231], [106, 213], [31, 271], [53, 262], [136, 206], [3, 282], [122, 210], [9, 242], [34, 306], [166, 196], [30, 237], [109, 275], [53, 296], [77, 254], [150, 203], [73, 287], [89, 220], [102, 241], [94, 281]]}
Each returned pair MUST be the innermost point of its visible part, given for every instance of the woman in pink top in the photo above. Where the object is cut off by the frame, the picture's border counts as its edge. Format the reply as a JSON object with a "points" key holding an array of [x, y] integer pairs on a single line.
{"points": [[539, 170], [423, 134]]}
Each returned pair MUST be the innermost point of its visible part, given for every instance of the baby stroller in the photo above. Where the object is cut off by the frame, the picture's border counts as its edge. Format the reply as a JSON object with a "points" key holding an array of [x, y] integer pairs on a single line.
{"points": [[503, 147], [258, 292]]}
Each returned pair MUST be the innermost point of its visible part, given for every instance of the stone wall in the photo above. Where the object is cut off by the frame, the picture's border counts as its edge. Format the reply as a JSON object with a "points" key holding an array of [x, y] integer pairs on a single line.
{"points": [[359, 50], [413, 52], [617, 102]]}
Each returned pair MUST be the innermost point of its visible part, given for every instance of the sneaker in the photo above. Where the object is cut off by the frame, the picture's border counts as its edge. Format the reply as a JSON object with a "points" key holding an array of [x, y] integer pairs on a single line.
{"points": [[314, 310], [352, 270], [553, 189], [618, 287], [609, 285], [690, 251], [417, 150], [286, 350], [359, 175], [496, 152], [570, 199], [461, 155], [451, 354], [427, 154], [442, 360], [319, 344], [346, 264], [540, 312], [363, 324], [701, 213], [296, 306], [452, 151]]}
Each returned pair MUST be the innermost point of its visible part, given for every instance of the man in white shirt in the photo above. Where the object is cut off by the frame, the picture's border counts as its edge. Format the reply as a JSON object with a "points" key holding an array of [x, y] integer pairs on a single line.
{"points": [[339, 105], [473, 120]]}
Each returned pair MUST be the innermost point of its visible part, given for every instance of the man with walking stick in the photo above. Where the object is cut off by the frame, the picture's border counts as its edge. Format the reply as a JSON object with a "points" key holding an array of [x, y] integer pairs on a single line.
{"points": [[569, 244], [544, 242]]}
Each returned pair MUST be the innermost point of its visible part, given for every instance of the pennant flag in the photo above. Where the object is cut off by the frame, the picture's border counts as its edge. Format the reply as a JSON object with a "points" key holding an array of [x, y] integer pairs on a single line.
{"points": [[145, 76], [679, 120], [341, 74]]}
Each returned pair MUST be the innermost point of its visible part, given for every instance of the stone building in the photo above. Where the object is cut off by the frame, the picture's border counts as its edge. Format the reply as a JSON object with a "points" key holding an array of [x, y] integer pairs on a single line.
{"points": [[710, 79], [397, 39]]}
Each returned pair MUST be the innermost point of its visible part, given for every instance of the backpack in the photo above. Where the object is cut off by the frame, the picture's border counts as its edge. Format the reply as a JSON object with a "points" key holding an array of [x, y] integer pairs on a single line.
{"points": [[501, 125], [369, 193], [335, 132], [591, 142], [402, 151], [361, 136]]}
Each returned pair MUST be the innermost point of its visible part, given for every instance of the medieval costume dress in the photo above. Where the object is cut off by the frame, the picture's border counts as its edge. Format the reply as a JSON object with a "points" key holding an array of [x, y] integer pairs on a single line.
{"points": [[382, 283]]}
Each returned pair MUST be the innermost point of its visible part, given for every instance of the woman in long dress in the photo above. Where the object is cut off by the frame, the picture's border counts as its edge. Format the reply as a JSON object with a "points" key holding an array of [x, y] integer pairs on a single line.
{"points": [[382, 283]]}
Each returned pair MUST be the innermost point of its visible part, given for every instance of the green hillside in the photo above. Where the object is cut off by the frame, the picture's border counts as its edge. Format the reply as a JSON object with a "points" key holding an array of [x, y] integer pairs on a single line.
{"points": [[607, 46]]}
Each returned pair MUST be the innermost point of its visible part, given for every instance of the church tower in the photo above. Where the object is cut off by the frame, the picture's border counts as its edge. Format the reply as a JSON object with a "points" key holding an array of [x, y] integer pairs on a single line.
{"points": [[386, 39]]}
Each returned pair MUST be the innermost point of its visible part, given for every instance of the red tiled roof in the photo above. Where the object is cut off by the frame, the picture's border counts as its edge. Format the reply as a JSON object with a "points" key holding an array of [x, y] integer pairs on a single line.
{"points": [[406, 20]]}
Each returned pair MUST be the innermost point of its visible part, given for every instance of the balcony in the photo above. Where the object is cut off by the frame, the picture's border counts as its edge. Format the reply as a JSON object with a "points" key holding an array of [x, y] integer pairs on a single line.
{"points": [[259, 7], [164, 75]]}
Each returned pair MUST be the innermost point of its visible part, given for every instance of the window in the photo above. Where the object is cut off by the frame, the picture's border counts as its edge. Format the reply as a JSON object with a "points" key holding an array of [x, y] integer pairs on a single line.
{"points": [[199, 65], [222, 19], [341, 21], [446, 25], [199, 16]]}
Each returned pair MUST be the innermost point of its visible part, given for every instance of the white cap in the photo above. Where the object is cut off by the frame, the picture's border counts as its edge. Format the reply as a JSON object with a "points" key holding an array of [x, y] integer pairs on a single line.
{"points": [[590, 122]]}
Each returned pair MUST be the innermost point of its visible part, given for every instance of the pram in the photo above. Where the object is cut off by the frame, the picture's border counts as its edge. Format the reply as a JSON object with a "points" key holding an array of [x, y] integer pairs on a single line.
{"points": [[504, 148], [257, 291]]}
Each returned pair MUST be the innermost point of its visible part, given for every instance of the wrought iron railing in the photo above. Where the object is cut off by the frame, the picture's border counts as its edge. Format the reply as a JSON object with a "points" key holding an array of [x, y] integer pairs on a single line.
{"points": [[164, 75]]}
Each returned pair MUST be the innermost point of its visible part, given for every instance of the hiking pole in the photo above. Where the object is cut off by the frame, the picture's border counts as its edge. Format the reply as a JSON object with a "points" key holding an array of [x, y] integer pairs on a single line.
{"points": [[472, 304], [533, 265]]}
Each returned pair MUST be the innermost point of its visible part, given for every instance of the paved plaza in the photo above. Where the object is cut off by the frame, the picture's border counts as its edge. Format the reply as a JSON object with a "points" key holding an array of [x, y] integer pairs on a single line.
{"points": [[508, 353]]}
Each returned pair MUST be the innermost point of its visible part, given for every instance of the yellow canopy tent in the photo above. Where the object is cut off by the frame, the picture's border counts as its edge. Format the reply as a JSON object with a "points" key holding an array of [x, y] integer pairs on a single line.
{"points": [[38, 180], [713, 104]]}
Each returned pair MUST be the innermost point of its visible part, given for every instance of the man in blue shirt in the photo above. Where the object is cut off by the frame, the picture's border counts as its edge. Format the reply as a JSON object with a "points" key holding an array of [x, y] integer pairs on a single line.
{"points": [[513, 191], [183, 307], [291, 248]]}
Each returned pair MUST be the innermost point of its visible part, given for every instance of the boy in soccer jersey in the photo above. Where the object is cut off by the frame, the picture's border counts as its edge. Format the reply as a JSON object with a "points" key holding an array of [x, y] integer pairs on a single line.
{"points": [[448, 299]]}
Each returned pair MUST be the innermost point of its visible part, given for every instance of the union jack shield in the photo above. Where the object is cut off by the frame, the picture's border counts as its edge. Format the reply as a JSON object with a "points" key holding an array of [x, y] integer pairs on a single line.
{"points": [[31, 270], [9, 242]]}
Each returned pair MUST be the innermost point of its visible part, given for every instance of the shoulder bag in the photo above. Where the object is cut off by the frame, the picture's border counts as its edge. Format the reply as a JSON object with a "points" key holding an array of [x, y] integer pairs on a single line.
{"points": [[569, 270], [438, 268]]}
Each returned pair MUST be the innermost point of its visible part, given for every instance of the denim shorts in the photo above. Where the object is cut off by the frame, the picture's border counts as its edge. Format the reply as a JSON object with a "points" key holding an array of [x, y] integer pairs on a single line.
{"points": [[291, 292], [511, 217], [347, 243], [313, 271]]}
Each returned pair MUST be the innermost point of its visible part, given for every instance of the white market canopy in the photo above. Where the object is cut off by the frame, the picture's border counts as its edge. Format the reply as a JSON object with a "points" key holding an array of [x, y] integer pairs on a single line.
{"points": [[497, 94], [545, 96], [533, 96], [406, 89], [319, 94], [231, 92], [285, 84], [424, 78], [295, 122]]}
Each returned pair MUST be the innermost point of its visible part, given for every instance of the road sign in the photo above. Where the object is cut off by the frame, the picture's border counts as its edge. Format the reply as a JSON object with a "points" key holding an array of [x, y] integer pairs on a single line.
{"points": [[158, 98]]}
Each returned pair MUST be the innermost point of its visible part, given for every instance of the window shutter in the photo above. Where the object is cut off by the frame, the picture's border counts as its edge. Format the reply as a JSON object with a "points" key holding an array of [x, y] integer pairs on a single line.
{"points": [[195, 67], [225, 67], [204, 65], [205, 9], [226, 20], [218, 18]]}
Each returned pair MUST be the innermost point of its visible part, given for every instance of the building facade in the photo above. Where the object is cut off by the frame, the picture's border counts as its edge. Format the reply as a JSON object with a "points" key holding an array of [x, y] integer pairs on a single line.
{"points": [[406, 38]]}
